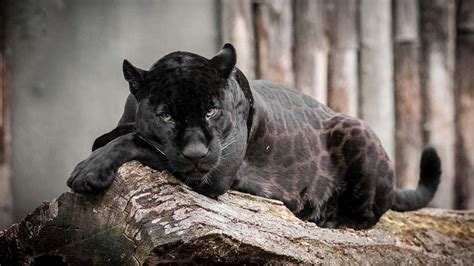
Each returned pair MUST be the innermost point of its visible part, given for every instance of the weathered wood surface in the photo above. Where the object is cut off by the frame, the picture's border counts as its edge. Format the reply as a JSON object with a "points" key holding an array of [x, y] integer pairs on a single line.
{"points": [[236, 22], [343, 60], [464, 103], [148, 217], [5, 184], [274, 31], [437, 31], [408, 99], [376, 70], [310, 48]]}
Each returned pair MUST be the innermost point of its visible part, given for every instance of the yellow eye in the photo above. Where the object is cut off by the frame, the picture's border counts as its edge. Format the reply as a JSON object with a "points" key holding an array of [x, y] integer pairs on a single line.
{"points": [[166, 117], [211, 112]]}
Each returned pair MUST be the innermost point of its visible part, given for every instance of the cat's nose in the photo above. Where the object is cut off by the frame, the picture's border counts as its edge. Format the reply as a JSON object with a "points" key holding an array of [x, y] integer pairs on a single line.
{"points": [[195, 151]]}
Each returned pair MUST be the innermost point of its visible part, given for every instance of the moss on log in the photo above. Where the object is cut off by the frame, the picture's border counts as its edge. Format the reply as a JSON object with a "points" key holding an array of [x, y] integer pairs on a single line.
{"points": [[148, 217]]}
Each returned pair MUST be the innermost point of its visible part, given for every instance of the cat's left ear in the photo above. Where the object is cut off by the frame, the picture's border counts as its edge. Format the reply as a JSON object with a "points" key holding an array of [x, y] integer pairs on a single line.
{"points": [[225, 59]]}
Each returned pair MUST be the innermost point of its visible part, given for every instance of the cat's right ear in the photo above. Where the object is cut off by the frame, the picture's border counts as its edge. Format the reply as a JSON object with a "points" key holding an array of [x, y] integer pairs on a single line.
{"points": [[134, 75]]}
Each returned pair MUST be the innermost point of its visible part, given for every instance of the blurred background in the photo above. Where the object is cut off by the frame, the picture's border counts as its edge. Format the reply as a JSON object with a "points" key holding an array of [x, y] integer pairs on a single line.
{"points": [[405, 66]]}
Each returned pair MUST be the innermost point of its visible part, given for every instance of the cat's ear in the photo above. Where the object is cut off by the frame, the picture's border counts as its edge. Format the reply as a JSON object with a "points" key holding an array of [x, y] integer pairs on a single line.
{"points": [[133, 75], [225, 59]]}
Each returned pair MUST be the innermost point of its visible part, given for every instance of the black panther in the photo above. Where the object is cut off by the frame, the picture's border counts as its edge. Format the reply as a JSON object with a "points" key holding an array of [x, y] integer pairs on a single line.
{"points": [[203, 121]]}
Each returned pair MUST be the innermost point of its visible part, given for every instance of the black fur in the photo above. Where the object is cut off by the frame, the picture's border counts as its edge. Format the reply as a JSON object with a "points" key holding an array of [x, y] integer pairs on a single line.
{"points": [[213, 129], [430, 173], [120, 130]]}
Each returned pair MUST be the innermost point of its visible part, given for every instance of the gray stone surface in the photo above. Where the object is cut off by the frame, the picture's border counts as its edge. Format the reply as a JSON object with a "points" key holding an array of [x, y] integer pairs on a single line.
{"points": [[65, 60]]}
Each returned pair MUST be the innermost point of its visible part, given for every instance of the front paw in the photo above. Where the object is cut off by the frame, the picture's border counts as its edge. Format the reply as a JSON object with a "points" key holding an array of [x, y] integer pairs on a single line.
{"points": [[92, 175]]}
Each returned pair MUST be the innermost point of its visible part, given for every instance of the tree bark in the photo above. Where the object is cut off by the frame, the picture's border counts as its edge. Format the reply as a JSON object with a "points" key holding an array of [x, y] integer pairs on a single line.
{"points": [[464, 102], [438, 43], [237, 27], [408, 100], [343, 70], [274, 26], [376, 70], [310, 48], [148, 217]]}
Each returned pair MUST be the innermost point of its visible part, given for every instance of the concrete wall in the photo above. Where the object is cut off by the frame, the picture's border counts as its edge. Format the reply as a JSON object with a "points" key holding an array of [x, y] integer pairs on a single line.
{"points": [[67, 87]]}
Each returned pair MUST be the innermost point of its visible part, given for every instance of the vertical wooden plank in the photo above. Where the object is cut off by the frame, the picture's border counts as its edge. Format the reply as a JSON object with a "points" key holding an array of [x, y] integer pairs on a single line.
{"points": [[310, 48], [5, 184], [438, 35], [236, 22], [274, 26], [408, 101], [464, 103], [343, 69], [376, 70]]}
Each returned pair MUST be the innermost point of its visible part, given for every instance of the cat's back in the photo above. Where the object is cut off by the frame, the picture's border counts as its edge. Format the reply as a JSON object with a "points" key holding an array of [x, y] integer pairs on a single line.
{"points": [[289, 105]]}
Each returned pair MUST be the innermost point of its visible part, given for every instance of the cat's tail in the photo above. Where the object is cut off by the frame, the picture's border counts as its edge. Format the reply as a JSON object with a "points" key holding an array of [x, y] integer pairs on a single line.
{"points": [[430, 172]]}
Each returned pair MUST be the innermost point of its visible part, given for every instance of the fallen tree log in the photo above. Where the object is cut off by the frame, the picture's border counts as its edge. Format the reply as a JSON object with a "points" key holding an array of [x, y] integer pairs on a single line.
{"points": [[148, 217]]}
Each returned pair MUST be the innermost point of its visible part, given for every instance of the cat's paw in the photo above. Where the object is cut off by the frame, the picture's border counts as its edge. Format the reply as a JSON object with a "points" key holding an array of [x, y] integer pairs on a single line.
{"points": [[92, 175]]}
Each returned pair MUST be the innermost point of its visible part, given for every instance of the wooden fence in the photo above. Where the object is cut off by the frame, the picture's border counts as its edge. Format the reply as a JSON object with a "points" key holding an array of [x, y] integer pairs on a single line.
{"points": [[405, 66], [6, 208]]}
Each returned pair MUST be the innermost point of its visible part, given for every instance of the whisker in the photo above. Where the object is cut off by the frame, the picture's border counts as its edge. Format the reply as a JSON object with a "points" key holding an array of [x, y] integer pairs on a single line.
{"points": [[151, 144], [226, 141], [231, 136], [228, 144], [227, 155], [206, 179]]}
